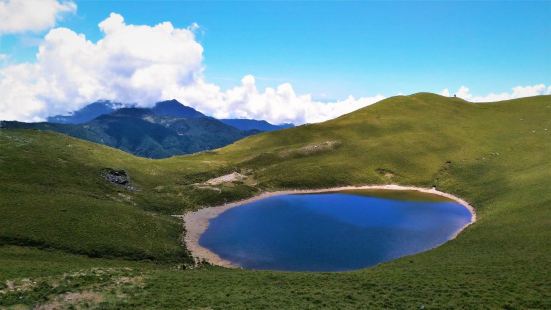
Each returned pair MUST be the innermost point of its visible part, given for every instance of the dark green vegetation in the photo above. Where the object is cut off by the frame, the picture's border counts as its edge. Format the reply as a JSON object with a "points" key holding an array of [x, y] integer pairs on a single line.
{"points": [[86, 114], [494, 155], [167, 129], [252, 124]]}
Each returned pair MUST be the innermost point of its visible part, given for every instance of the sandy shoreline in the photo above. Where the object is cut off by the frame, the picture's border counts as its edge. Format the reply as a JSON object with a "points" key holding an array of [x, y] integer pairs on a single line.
{"points": [[197, 222]]}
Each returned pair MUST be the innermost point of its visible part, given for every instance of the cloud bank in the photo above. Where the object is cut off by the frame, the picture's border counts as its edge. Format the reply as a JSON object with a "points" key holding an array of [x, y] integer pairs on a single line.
{"points": [[31, 15], [516, 92], [142, 64]]}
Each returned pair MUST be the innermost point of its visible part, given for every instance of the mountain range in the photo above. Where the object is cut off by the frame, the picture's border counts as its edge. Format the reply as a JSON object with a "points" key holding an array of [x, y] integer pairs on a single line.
{"points": [[168, 128], [252, 124]]}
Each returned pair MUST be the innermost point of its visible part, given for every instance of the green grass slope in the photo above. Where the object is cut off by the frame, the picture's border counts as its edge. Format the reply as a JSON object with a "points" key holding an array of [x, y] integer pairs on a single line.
{"points": [[495, 155], [53, 195]]}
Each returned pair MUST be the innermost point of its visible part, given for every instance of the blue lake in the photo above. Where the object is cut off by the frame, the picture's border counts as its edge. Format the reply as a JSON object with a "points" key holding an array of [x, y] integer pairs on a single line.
{"points": [[335, 231]]}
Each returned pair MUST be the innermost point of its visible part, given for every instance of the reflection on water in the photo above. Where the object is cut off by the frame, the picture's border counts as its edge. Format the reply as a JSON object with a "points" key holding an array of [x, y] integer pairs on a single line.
{"points": [[331, 231]]}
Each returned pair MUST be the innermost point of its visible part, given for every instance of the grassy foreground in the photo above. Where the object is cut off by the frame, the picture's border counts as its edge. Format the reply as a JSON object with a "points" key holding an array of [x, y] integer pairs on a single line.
{"points": [[71, 238]]}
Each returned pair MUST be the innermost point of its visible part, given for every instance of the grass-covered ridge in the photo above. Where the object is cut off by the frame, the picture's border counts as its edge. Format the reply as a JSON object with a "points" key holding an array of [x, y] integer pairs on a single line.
{"points": [[495, 155]]}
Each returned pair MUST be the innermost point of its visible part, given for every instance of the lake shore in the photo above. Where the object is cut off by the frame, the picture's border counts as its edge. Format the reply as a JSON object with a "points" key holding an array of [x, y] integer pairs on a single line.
{"points": [[197, 222]]}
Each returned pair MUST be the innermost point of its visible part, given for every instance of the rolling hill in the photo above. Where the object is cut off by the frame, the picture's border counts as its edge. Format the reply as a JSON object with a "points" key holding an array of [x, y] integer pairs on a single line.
{"points": [[68, 229]]}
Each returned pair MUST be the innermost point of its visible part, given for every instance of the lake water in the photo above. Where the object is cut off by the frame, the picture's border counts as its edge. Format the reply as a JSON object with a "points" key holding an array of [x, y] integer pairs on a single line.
{"points": [[332, 231]]}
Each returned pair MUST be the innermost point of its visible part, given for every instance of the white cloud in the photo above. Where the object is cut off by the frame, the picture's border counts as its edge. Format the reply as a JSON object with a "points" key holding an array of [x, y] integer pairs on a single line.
{"points": [[277, 105], [31, 15], [144, 64], [129, 64], [516, 92]]}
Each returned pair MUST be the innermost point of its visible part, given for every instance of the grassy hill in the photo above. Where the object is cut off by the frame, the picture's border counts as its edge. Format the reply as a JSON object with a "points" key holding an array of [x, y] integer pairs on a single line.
{"points": [[56, 205]]}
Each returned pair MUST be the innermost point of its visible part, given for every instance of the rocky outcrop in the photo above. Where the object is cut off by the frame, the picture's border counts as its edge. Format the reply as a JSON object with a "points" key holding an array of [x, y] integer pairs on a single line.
{"points": [[117, 177]]}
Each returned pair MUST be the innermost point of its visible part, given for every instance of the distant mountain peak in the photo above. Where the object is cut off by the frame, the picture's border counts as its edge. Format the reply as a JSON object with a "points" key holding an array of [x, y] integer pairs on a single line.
{"points": [[132, 112], [171, 101], [174, 108], [252, 124], [87, 113]]}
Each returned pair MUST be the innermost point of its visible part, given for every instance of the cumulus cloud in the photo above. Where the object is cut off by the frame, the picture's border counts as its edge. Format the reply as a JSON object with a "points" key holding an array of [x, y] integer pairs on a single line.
{"points": [[445, 92], [516, 92], [31, 15], [142, 64], [276, 105], [129, 64]]}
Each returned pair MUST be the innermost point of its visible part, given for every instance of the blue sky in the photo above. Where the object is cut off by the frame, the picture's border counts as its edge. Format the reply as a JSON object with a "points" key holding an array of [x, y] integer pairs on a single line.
{"points": [[282, 61], [336, 49]]}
